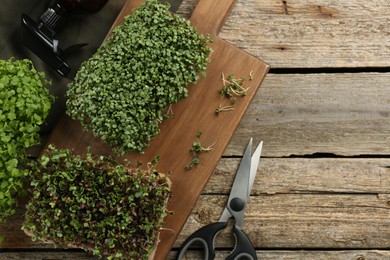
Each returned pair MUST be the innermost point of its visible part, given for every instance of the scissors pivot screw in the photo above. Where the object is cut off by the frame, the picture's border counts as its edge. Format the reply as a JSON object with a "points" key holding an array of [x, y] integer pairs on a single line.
{"points": [[237, 204]]}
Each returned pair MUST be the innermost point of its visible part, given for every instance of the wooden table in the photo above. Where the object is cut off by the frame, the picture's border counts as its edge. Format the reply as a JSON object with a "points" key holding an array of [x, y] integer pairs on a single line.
{"points": [[323, 187]]}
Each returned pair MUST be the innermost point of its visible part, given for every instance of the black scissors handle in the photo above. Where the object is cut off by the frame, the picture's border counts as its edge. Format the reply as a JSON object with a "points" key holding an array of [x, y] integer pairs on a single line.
{"points": [[205, 236], [244, 248]]}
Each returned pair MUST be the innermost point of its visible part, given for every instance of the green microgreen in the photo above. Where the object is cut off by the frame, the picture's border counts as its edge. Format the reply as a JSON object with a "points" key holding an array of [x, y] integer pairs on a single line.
{"points": [[24, 104], [96, 203], [232, 88], [196, 149], [121, 93], [194, 162]]}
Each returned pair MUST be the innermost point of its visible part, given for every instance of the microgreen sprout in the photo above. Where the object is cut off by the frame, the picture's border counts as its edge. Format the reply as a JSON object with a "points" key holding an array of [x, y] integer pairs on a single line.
{"points": [[232, 88], [155, 160], [221, 108], [168, 229], [197, 148], [194, 162]]}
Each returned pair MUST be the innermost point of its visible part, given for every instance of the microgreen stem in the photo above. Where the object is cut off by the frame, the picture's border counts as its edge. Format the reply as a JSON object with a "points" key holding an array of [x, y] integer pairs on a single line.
{"points": [[197, 148], [168, 229], [231, 89], [223, 109], [251, 75], [170, 112]]}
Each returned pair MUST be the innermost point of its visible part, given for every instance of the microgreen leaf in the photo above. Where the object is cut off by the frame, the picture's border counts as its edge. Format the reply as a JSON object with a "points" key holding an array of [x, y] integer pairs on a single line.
{"points": [[196, 149]]}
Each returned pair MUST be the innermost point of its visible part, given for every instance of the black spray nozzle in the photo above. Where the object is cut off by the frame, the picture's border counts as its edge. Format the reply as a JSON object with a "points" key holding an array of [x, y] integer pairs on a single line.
{"points": [[40, 40], [39, 37]]}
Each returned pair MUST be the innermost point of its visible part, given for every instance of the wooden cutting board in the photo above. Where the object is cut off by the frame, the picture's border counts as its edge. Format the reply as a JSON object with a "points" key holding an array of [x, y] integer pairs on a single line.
{"points": [[196, 113]]}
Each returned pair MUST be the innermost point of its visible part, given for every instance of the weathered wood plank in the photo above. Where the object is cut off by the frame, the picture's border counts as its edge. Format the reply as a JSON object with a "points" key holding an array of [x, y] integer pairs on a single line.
{"points": [[298, 114], [304, 34], [266, 255], [303, 221], [297, 175]]}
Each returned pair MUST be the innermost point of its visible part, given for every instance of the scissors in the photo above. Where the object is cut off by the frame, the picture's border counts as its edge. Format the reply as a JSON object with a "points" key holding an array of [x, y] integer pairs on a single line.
{"points": [[235, 208]]}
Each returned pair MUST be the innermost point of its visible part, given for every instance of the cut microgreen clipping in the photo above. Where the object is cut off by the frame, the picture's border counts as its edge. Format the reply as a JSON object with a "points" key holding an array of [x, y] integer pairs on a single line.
{"points": [[221, 108], [196, 149], [232, 88]]}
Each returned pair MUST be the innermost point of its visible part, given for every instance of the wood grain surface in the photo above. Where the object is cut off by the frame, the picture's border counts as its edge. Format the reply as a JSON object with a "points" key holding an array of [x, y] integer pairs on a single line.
{"points": [[343, 114], [310, 34]]}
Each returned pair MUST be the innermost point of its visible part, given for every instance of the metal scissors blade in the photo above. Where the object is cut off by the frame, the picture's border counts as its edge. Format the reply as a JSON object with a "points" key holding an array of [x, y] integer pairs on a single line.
{"points": [[242, 185], [254, 166]]}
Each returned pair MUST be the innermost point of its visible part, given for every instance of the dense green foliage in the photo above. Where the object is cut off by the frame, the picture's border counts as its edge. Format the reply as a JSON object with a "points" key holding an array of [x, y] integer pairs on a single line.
{"points": [[122, 92], [97, 204], [24, 104]]}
